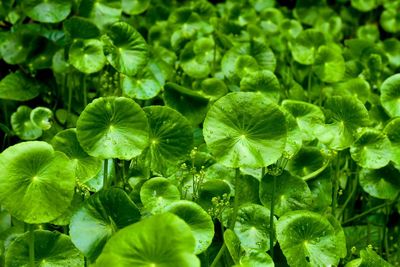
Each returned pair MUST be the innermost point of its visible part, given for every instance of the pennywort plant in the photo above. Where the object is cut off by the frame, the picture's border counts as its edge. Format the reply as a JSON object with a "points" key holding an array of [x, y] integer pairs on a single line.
{"points": [[199, 133]]}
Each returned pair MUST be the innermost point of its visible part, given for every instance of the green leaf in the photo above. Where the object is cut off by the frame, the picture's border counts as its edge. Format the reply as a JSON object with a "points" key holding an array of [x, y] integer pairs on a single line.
{"points": [[23, 126], [382, 183], [80, 28], [364, 5], [252, 227], [344, 115], [264, 82], [51, 249], [189, 103], [19, 87], [198, 220], [42, 117], [113, 127], [390, 95], [392, 49], [125, 48], [37, 182], [170, 139], [232, 243], [47, 11], [308, 239], [157, 193], [370, 258], [308, 116], [392, 131], [134, 7], [163, 240], [263, 55], [86, 167], [297, 196], [196, 58], [245, 130], [87, 55], [329, 64], [372, 149], [304, 48], [143, 86], [101, 12], [256, 258], [99, 218], [308, 160], [390, 21]]}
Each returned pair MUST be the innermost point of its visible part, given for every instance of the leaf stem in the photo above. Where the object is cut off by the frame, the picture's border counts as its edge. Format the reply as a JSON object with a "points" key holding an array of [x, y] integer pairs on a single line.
{"points": [[236, 200], [69, 104], [271, 219], [84, 88], [335, 184], [219, 255], [105, 174], [370, 210], [31, 245]]}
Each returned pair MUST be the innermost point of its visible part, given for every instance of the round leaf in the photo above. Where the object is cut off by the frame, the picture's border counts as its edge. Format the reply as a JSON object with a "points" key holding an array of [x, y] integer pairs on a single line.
{"points": [[51, 249], [22, 125], [47, 11], [252, 227], [286, 198], [157, 193], [37, 182], [264, 82], [101, 12], [382, 183], [113, 127], [198, 220], [162, 240], [99, 218], [87, 55], [392, 131], [17, 86], [345, 115], [144, 87], [390, 95], [308, 160], [86, 167], [364, 5], [134, 7], [372, 149], [245, 130], [307, 115], [390, 21], [125, 48], [41, 117], [308, 239], [304, 47], [170, 140], [329, 64]]}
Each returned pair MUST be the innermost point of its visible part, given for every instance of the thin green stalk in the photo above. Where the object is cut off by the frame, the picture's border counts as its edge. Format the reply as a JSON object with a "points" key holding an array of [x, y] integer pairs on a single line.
{"points": [[84, 88], [351, 195], [367, 212], [386, 234], [219, 255], [69, 104], [105, 174], [31, 246], [335, 185], [271, 219], [316, 172], [309, 80], [236, 200], [233, 218]]}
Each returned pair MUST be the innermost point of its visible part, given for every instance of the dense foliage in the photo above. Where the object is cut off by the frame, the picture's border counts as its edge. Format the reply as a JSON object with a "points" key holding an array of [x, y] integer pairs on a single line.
{"points": [[195, 133]]}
